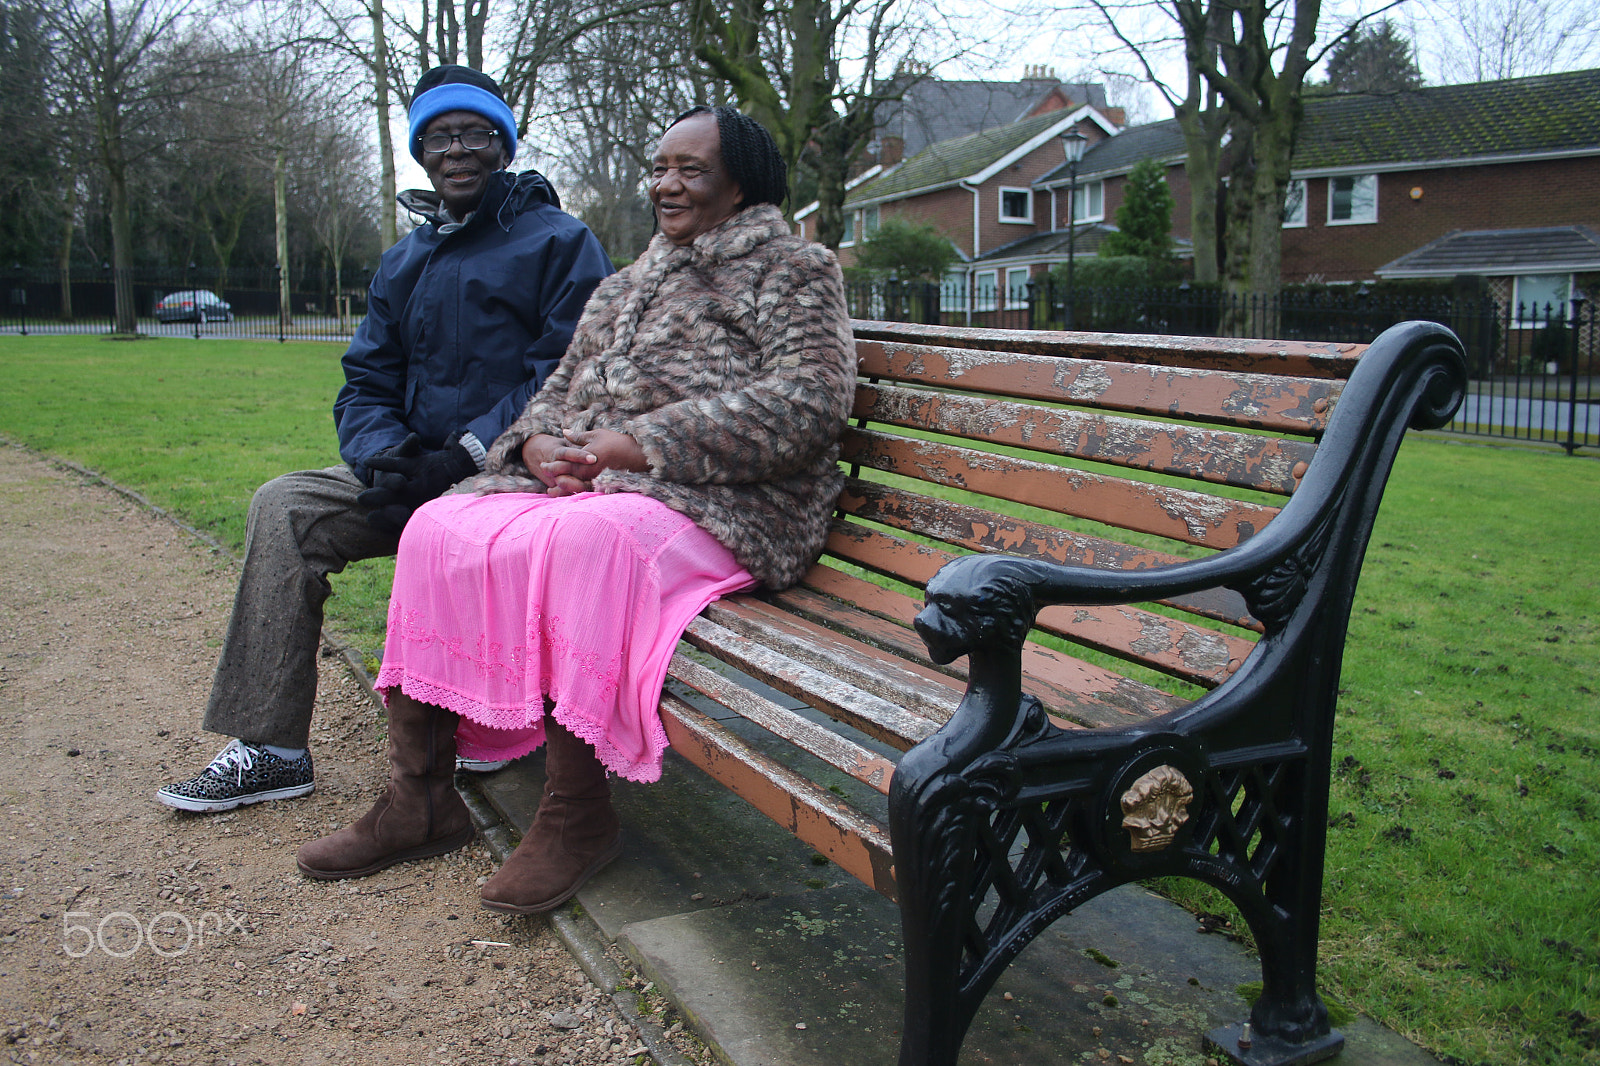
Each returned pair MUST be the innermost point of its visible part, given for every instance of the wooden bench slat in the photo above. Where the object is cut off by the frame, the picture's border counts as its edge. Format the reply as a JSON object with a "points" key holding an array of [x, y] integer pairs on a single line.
{"points": [[980, 530], [1076, 692], [856, 843], [1161, 510], [1243, 460], [1334, 359], [868, 767], [852, 694], [1193, 653], [1258, 401]]}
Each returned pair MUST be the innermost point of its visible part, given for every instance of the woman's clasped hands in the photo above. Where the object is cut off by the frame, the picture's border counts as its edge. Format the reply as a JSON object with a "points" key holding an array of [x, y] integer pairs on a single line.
{"points": [[568, 464]]}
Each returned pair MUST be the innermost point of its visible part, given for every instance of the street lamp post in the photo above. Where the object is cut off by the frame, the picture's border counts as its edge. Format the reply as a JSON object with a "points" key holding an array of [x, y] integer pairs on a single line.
{"points": [[1073, 143]]}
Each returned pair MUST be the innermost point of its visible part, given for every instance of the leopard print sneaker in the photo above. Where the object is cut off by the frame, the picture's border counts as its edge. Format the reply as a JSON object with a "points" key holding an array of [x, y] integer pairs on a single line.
{"points": [[240, 774]]}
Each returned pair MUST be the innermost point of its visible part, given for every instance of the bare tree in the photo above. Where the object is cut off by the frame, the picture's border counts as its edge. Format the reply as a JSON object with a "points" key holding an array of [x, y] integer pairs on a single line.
{"points": [[1246, 64], [1145, 33], [130, 59], [214, 187], [335, 188], [358, 30], [814, 73], [623, 82], [278, 91], [30, 180], [1487, 40]]}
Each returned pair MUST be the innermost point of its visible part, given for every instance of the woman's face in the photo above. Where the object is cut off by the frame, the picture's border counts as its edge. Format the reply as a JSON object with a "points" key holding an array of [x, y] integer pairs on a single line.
{"points": [[689, 185]]}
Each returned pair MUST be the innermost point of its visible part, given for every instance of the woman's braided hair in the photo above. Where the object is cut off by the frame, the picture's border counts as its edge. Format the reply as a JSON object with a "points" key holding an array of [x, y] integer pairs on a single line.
{"points": [[749, 153]]}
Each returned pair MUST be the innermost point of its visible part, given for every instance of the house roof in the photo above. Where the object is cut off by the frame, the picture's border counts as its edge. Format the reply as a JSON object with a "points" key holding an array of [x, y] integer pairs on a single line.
{"points": [[933, 110], [1517, 117], [949, 162], [1542, 250], [1155, 140], [1057, 243], [1553, 113]]}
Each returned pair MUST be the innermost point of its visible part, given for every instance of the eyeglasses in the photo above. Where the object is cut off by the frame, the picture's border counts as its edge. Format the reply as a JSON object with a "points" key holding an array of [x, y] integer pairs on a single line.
{"points": [[471, 140]]}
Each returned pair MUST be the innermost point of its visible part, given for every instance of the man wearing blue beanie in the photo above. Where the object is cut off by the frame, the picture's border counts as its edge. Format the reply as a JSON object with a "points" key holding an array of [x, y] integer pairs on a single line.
{"points": [[466, 317]]}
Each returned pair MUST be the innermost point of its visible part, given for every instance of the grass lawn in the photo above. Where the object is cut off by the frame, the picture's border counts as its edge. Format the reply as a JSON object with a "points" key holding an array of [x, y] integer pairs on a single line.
{"points": [[1462, 897], [195, 425]]}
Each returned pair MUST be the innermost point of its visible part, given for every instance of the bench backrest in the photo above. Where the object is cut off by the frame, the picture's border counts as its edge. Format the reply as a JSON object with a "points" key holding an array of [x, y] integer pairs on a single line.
{"points": [[1100, 450]]}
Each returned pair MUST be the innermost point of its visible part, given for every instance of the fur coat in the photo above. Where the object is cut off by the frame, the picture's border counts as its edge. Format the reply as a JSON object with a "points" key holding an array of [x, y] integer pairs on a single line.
{"points": [[731, 362]]}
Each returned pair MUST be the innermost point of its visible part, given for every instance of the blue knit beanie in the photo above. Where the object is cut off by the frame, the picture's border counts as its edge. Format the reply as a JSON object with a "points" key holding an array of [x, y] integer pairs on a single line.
{"points": [[455, 88]]}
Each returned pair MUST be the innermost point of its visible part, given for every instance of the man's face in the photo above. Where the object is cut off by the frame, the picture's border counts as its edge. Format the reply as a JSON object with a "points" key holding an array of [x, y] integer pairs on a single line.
{"points": [[460, 175]]}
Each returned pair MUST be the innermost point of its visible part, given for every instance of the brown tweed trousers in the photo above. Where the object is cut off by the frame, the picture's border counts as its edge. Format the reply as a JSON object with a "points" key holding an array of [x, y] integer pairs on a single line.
{"points": [[730, 361]]}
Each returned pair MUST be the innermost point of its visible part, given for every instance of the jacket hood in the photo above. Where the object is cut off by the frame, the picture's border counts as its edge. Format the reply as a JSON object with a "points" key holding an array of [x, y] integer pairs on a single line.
{"points": [[505, 196]]}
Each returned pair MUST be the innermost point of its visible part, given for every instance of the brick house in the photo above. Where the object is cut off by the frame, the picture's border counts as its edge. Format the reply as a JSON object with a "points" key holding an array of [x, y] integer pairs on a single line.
{"points": [[1376, 179], [979, 191]]}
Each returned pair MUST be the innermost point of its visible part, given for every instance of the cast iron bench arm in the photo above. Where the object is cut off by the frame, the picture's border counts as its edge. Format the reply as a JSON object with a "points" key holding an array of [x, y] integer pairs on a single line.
{"points": [[983, 606]]}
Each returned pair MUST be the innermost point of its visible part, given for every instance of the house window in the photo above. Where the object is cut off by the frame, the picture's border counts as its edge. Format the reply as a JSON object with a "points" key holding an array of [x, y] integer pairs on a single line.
{"points": [[1294, 204], [1539, 298], [953, 292], [1089, 202], [869, 221], [1016, 205], [1016, 287], [849, 237], [1353, 200], [984, 295]]}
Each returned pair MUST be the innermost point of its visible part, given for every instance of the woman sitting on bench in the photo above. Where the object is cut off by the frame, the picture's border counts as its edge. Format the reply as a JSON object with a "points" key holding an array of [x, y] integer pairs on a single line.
{"points": [[685, 449]]}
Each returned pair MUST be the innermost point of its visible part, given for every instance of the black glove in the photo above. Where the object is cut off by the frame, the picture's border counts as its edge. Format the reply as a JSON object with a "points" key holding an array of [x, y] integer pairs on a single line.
{"points": [[406, 477]]}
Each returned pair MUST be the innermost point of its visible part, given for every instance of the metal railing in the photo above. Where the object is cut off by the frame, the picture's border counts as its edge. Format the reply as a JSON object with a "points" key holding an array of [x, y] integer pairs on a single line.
{"points": [[1534, 371], [180, 303]]}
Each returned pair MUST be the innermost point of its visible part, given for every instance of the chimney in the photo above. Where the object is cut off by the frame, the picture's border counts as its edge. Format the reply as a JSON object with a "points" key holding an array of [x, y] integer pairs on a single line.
{"points": [[891, 149]]}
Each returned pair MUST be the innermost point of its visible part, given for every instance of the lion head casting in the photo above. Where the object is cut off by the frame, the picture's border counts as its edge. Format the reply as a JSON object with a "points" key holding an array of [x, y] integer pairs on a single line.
{"points": [[975, 601]]}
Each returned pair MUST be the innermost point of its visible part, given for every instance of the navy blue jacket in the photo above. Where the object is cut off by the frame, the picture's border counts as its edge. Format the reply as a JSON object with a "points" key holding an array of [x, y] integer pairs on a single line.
{"points": [[462, 328]]}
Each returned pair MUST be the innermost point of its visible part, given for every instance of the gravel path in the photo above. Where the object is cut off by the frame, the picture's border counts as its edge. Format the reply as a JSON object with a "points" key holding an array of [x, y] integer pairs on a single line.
{"points": [[133, 933]]}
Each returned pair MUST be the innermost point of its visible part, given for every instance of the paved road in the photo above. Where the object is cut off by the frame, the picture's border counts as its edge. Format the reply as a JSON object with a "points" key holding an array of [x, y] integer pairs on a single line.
{"points": [[1528, 413]]}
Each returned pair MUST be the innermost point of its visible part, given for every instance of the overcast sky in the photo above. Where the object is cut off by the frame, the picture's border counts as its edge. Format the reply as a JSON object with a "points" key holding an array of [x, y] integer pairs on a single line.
{"points": [[1557, 35]]}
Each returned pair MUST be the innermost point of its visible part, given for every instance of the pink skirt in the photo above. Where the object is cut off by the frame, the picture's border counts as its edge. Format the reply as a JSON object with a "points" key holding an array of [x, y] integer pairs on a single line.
{"points": [[501, 602]]}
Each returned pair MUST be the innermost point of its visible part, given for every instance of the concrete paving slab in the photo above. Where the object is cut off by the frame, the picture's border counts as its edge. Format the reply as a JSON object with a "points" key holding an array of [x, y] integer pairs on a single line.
{"points": [[686, 847], [774, 941]]}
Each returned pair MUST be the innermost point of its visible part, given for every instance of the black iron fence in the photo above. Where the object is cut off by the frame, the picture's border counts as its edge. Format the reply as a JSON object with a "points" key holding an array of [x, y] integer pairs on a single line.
{"points": [[183, 303], [1535, 371]]}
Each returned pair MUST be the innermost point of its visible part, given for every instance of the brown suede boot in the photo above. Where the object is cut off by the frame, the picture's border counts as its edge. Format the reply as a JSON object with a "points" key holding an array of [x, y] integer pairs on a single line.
{"points": [[574, 834], [418, 815]]}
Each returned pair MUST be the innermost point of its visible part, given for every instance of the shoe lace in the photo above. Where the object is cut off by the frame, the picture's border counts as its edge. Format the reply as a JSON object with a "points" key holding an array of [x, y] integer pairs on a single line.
{"points": [[237, 757]]}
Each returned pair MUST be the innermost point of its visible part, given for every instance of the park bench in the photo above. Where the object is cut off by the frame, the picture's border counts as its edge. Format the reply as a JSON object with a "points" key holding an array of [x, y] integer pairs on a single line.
{"points": [[1133, 559]]}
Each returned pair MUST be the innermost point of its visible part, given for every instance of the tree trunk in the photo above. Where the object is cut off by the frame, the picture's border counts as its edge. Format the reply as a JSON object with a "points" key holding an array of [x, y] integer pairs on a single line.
{"points": [[1274, 141], [64, 258], [473, 21], [126, 320], [380, 82], [1203, 169], [1236, 235], [108, 122], [280, 207]]}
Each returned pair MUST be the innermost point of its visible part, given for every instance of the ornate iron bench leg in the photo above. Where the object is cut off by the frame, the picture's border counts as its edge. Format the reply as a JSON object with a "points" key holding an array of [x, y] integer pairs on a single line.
{"points": [[932, 852]]}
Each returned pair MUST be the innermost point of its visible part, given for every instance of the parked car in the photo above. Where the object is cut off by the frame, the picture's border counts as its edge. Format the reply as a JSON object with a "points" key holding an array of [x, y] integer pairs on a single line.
{"points": [[194, 305]]}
